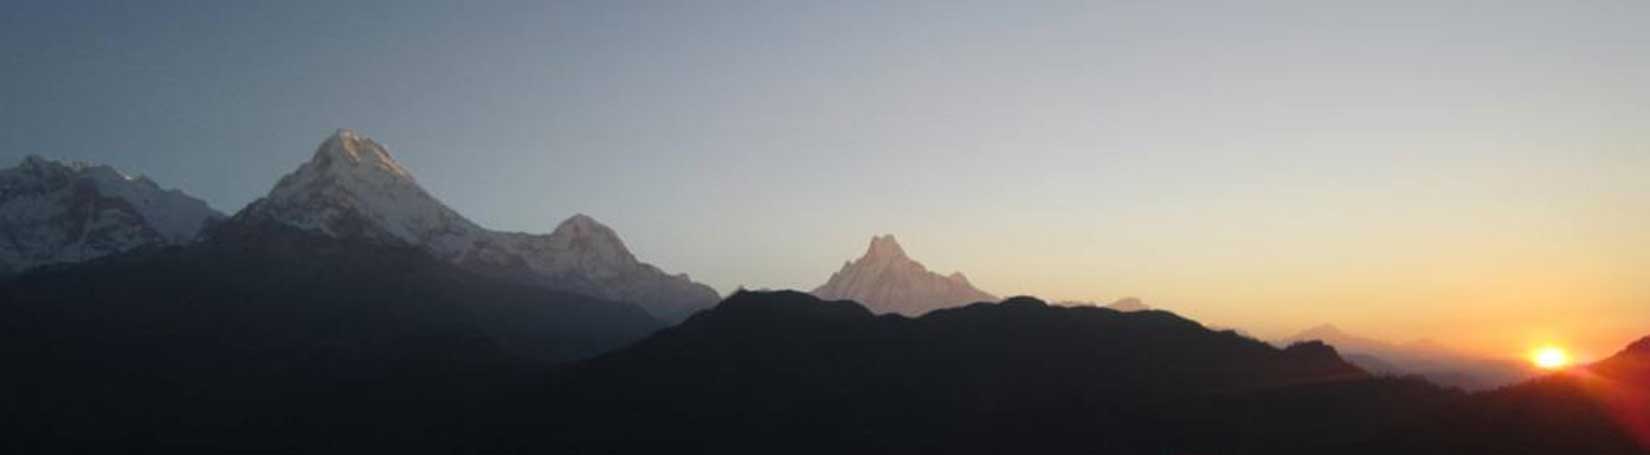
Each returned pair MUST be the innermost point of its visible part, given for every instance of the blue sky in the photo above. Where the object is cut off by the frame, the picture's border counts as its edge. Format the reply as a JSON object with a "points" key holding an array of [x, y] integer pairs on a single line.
{"points": [[1269, 165]]}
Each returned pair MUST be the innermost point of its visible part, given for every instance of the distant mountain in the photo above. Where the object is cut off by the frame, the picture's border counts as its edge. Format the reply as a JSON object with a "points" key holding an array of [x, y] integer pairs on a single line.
{"points": [[352, 188], [53, 212], [1437, 364], [787, 370], [1126, 304], [888, 281], [269, 338]]}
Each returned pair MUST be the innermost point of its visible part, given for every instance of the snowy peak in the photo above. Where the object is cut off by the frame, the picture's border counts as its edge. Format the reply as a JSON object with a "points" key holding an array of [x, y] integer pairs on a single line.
{"points": [[347, 149], [349, 159], [581, 226], [888, 281], [583, 255], [352, 188], [40, 167], [592, 240], [57, 212], [884, 247]]}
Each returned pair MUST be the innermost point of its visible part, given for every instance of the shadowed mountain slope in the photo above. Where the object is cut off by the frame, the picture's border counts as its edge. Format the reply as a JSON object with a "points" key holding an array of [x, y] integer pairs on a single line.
{"points": [[269, 338]]}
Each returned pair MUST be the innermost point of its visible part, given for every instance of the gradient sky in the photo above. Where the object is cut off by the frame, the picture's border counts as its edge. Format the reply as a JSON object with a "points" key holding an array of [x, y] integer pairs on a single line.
{"points": [[1473, 172]]}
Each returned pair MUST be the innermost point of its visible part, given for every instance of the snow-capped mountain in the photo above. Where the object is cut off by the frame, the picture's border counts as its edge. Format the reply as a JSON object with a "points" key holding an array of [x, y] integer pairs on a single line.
{"points": [[887, 281], [54, 212], [352, 188], [582, 255]]}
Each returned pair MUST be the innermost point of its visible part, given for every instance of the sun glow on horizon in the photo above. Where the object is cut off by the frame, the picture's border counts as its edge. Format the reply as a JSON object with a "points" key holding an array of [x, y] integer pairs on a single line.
{"points": [[1550, 357]]}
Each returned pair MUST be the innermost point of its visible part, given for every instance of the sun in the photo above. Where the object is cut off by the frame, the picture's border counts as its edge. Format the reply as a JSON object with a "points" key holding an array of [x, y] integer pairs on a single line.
{"points": [[1550, 357]]}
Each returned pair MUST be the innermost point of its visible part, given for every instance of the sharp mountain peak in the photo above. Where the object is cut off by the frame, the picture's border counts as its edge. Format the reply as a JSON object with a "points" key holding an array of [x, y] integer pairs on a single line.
{"points": [[346, 147], [886, 280], [581, 225], [885, 246], [353, 188]]}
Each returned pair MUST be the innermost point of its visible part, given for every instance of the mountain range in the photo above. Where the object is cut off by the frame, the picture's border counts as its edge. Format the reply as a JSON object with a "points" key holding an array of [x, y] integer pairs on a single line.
{"points": [[350, 188], [380, 364], [1019, 375], [888, 281], [349, 311], [56, 213], [353, 188], [1437, 363]]}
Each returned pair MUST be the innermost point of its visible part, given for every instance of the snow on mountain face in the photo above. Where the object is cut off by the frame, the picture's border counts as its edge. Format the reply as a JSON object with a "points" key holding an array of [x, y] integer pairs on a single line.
{"points": [[887, 281], [585, 256], [53, 212], [352, 188]]}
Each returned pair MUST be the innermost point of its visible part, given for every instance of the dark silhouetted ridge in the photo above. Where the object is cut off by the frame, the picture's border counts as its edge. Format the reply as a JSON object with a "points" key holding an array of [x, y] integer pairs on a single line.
{"points": [[780, 306], [765, 370]]}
